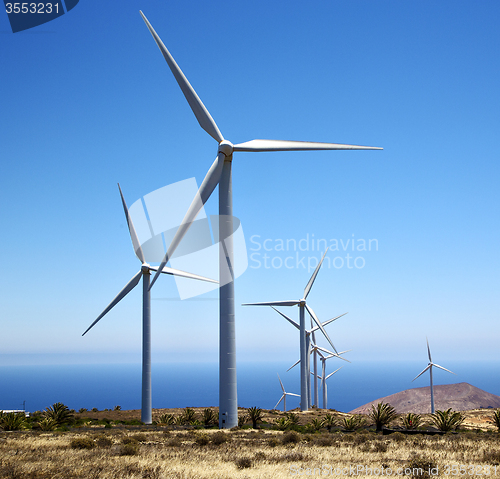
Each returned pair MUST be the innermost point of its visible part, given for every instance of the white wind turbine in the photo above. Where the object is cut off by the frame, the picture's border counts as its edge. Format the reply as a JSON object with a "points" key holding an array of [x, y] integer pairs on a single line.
{"points": [[429, 367], [220, 174], [324, 377], [145, 273], [319, 350], [304, 346], [285, 394]]}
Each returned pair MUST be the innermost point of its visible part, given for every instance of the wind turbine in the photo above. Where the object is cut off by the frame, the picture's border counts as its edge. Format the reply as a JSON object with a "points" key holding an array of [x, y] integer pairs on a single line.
{"points": [[220, 174], [429, 367], [145, 273], [304, 345], [324, 377], [323, 358], [283, 398]]}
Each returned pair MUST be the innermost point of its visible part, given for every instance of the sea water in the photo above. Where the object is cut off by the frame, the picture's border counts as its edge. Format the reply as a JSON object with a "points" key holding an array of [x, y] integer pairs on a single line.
{"points": [[105, 386]]}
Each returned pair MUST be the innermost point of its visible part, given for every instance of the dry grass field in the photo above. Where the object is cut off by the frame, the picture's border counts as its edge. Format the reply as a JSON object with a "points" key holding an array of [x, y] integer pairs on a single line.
{"points": [[96, 451]]}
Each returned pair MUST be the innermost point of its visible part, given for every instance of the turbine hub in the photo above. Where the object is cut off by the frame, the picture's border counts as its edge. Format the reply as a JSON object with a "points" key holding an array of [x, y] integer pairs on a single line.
{"points": [[226, 147], [145, 268], [302, 302]]}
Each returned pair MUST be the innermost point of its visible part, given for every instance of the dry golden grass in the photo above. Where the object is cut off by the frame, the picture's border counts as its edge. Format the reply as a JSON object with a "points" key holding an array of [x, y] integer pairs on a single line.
{"points": [[203, 454]]}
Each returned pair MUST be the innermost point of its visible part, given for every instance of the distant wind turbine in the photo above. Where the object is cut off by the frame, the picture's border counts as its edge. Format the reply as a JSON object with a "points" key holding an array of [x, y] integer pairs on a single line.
{"points": [[429, 367], [145, 273], [220, 174], [324, 377], [285, 394], [304, 346]]}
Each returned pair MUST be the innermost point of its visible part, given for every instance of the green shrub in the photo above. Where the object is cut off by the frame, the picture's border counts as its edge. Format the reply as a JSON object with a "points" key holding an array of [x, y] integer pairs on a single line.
{"points": [[82, 409], [351, 423], [382, 414], [495, 419], [210, 417], [130, 440], [82, 443], [12, 421], [59, 414], [166, 419], [117, 408], [447, 420], [282, 423], [255, 415], [411, 421]]}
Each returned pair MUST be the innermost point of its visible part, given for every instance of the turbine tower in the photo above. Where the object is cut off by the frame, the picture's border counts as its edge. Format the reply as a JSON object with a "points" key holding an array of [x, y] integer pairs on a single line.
{"points": [[429, 367], [220, 174], [285, 394], [145, 273], [304, 343]]}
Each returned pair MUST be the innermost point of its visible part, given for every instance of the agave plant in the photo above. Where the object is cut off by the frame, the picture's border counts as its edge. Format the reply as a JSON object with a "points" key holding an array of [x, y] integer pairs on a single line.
{"points": [[292, 417], [166, 419], [47, 424], [282, 423], [242, 419], [382, 415], [188, 416], [351, 423], [316, 424], [411, 421], [447, 420], [329, 421], [59, 413], [495, 419], [210, 418], [12, 421], [255, 415]]}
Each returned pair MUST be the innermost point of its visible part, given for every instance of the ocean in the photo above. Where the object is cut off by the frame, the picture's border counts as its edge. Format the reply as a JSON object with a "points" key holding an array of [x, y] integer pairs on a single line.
{"points": [[105, 386]]}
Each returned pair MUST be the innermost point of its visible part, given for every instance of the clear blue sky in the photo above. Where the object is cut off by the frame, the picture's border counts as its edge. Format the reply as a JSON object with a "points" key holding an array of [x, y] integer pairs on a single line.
{"points": [[88, 101]]}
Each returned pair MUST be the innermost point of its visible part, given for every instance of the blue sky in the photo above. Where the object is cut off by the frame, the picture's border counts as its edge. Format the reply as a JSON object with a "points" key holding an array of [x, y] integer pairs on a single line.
{"points": [[88, 101]]}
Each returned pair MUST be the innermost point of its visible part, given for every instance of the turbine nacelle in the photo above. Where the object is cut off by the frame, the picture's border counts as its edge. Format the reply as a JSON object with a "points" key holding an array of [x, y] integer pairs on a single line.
{"points": [[146, 268], [226, 148]]}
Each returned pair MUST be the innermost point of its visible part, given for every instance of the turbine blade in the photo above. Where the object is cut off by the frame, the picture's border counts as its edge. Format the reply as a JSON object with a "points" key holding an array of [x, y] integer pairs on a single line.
{"points": [[291, 321], [328, 322], [183, 274], [292, 394], [441, 367], [284, 145], [133, 235], [422, 372], [316, 320], [199, 110], [313, 277], [294, 364], [273, 303], [332, 355], [331, 374], [428, 350], [129, 287], [278, 403], [281, 384], [210, 181]]}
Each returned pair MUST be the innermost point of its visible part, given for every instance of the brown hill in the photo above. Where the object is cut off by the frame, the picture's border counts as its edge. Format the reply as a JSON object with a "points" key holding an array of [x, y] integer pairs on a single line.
{"points": [[460, 397]]}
